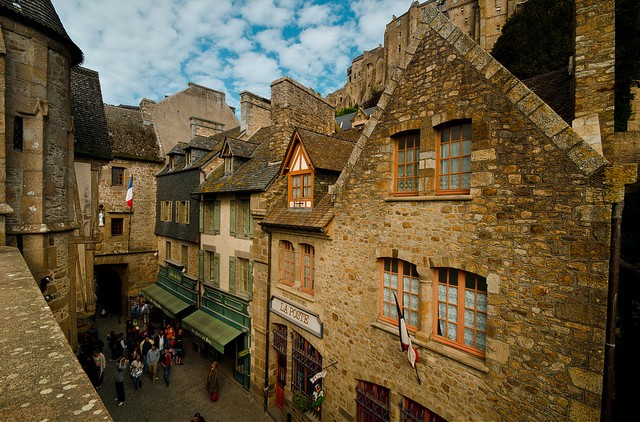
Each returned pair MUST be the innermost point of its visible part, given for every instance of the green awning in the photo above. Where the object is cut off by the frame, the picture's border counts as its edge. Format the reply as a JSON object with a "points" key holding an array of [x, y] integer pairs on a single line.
{"points": [[164, 300], [213, 331]]}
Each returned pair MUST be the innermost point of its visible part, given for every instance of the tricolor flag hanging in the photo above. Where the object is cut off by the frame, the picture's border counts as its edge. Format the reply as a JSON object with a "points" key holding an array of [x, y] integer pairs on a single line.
{"points": [[405, 340], [129, 197]]}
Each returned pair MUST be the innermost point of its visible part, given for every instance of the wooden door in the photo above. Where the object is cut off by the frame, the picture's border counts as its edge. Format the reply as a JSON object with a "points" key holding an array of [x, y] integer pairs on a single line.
{"points": [[281, 374]]}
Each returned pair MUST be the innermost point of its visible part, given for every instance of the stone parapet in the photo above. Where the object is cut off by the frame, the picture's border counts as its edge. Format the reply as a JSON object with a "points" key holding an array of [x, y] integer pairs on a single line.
{"points": [[40, 377]]}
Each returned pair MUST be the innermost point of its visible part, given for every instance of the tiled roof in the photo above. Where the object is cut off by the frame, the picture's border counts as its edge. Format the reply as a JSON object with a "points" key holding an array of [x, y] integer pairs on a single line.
{"points": [[242, 149], [554, 88], [313, 219], [131, 137], [345, 120], [326, 152], [41, 14], [178, 149], [91, 136], [202, 142], [254, 175]]}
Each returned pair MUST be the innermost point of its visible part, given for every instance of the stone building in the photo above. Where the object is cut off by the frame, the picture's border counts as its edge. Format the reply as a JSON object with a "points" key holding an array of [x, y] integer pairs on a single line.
{"points": [[126, 258], [490, 216], [368, 74], [43, 211]]}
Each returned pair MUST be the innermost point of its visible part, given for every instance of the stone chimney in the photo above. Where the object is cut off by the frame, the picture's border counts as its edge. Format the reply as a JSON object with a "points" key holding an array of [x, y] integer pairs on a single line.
{"points": [[255, 112], [594, 70], [204, 127], [293, 105]]}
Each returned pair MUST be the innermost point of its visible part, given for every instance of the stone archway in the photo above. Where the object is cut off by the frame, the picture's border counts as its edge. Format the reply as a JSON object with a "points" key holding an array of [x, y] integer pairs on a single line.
{"points": [[108, 289]]}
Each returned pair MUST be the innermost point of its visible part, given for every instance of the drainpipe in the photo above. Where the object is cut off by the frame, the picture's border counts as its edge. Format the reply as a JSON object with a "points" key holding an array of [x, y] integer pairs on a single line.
{"points": [[267, 330], [608, 391]]}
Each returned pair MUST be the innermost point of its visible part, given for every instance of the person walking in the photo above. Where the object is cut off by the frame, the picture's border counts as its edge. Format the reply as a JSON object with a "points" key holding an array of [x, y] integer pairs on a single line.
{"points": [[212, 381], [137, 367], [121, 366], [179, 345], [153, 356], [101, 363], [145, 346], [166, 364]]}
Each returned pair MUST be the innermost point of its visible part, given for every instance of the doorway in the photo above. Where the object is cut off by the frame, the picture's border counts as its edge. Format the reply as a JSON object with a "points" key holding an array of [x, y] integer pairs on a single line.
{"points": [[108, 290]]}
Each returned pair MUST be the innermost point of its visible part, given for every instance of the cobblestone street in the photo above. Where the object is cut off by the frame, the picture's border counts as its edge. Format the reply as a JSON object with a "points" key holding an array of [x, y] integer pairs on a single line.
{"points": [[185, 395]]}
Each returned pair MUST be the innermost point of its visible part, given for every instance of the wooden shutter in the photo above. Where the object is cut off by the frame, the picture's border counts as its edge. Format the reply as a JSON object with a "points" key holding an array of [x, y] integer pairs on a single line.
{"points": [[232, 273], [250, 280], [200, 265], [201, 217], [216, 217], [216, 269], [250, 223], [232, 219]]}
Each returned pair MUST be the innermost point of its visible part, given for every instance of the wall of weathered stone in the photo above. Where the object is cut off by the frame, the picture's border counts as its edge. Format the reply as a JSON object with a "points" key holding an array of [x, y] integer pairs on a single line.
{"points": [[536, 225], [255, 112]]}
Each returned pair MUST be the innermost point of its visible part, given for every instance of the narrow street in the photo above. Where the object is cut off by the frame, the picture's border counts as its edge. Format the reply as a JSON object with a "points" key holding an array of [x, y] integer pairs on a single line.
{"points": [[185, 395]]}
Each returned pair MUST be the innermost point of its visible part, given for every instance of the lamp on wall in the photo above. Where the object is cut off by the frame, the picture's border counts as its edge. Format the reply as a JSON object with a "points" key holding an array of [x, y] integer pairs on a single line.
{"points": [[44, 281]]}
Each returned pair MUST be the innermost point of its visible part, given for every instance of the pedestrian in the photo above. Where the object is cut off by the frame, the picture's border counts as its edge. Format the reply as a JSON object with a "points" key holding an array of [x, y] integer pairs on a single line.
{"points": [[112, 338], [166, 364], [169, 332], [121, 366], [121, 347], [161, 340], [179, 344], [144, 311], [145, 346], [212, 381], [137, 368], [101, 363], [153, 356], [198, 418]]}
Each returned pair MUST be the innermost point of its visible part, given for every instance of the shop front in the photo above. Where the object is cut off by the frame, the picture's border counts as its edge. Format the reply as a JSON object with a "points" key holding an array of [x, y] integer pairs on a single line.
{"points": [[174, 293], [221, 330]]}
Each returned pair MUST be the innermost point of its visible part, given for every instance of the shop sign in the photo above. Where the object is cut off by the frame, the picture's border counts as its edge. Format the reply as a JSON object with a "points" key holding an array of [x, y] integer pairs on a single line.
{"points": [[243, 353], [299, 316]]}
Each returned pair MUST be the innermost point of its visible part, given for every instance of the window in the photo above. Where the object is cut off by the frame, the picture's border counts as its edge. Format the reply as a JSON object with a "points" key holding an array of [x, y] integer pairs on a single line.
{"points": [[117, 226], [307, 268], [167, 250], [454, 159], [400, 277], [372, 402], [212, 268], [166, 211], [407, 156], [18, 133], [212, 217], [300, 181], [461, 312], [411, 411], [307, 362], [183, 209], [228, 165], [117, 176], [241, 275], [241, 219], [288, 262], [184, 256]]}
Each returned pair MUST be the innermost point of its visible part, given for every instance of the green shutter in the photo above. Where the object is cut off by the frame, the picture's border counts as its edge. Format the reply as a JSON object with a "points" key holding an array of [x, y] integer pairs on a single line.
{"points": [[200, 265], [232, 219], [250, 223], [201, 217], [232, 273], [216, 217], [216, 269], [250, 280]]}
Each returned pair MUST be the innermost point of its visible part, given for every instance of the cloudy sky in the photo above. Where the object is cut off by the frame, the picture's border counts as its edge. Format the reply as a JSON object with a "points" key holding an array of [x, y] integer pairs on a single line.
{"points": [[153, 48]]}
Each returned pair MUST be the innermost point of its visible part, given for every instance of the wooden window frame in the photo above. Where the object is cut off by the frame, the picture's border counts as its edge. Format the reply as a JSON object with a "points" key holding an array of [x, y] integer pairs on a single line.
{"points": [[307, 268], [372, 402], [442, 277], [403, 268], [306, 361], [305, 188], [411, 411], [401, 165], [212, 217], [117, 176], [464, 137], [167, 250], [288, 262], [117, 227]]}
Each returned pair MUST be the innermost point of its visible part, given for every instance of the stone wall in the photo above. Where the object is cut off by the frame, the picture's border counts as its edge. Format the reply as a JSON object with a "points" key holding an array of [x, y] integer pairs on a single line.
{"points": [[536, 224], [255, 112]]}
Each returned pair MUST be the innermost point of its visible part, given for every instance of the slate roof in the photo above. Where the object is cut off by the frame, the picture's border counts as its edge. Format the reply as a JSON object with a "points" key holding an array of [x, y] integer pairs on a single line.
{"points": [[315, 219], [345, 120], [41, 15], [253, 176], [554, 88], [91, 136], [242, 149], [325, 152], [130, 137]]}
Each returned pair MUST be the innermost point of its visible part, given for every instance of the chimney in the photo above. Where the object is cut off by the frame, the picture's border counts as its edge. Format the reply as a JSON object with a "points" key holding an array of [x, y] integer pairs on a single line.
{"points": [[594, 70], [255, 112], [204, 127]]}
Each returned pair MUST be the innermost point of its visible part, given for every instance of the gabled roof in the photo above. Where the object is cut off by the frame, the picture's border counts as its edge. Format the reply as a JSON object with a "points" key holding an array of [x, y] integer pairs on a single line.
{"points": [[345, 121], [178, 149], [554, 88], [41, 14], [91, 136], [202, 142], [239, 148], [316, 219], [130, 136], [254, 175], [325, 152]]}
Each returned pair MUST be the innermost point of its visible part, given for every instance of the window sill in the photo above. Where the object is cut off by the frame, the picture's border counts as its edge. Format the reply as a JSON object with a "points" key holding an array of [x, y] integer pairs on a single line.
{"points": [[296, 291], [446, 351], [419, 198]]}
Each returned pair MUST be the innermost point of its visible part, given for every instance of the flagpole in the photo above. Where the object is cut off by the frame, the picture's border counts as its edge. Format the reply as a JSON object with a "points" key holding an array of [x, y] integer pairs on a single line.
{"points": [[130, 214], [417, 375]]}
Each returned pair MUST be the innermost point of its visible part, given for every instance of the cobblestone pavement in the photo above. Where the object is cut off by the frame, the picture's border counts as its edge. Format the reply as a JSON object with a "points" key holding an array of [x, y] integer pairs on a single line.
{"points": [[185, 395]]}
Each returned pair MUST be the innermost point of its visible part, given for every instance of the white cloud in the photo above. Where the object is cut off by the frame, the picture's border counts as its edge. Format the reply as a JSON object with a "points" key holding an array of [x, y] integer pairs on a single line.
{"points": [[316, 14], [269, 13]]}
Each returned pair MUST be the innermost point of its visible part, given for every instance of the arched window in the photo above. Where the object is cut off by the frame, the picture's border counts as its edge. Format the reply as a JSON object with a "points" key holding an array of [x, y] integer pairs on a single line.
{"points": [[400, 278], [308, 256], [288, 262]]}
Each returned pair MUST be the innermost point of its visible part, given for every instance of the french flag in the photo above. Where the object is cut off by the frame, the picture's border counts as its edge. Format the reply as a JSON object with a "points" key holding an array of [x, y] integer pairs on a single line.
{"points": [[405, 340], [129, 197]]}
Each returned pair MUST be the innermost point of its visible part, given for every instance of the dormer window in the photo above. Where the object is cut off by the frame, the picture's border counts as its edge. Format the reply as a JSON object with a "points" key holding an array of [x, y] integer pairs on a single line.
{"points": [[300, 180], [228, 165]]}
